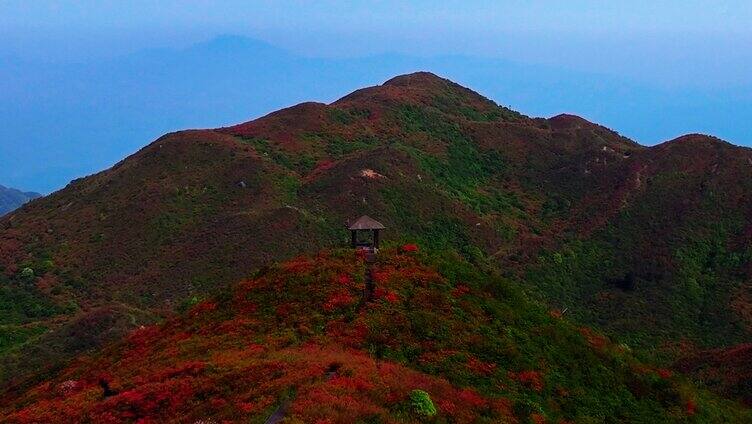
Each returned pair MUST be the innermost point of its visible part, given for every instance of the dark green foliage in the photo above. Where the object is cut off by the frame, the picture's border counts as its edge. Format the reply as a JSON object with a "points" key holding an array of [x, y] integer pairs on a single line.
{"points": [[422, 404], [21, 303], [181, 211], [301, 162], [13, 336], [347, 116], [464, 171]]}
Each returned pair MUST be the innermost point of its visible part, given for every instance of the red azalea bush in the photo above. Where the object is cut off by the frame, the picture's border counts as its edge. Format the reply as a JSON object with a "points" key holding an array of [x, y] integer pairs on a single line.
{"points": [[690, 407], [410, 248], [531, 379], [202, 307], [339, 299], [538, 418], [664, 373], [241, 357], [594, 339], [479, 367], [460, 291], [391, 297], [344, 279]]}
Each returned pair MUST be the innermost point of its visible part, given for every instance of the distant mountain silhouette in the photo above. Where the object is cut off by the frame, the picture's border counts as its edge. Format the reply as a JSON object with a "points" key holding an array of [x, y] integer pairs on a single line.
{"points": [[10, 199], [108, 109]]}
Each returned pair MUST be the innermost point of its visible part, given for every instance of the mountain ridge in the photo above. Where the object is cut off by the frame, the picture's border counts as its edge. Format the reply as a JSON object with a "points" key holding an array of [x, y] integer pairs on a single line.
{"points": [[11, 199], [625, 237]]}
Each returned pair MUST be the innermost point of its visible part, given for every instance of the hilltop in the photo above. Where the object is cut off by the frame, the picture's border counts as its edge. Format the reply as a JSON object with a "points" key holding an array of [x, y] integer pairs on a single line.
{"points": [[648, 244]]}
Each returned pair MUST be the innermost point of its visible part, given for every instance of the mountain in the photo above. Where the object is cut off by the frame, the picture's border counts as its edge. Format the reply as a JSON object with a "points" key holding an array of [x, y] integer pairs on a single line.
{"points": [[137, 97], [647, 244], [10, 199], [297, 341]]}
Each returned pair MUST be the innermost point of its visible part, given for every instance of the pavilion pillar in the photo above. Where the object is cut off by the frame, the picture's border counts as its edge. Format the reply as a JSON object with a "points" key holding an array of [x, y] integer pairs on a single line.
{"points": [[376, 239], [354, 236]]}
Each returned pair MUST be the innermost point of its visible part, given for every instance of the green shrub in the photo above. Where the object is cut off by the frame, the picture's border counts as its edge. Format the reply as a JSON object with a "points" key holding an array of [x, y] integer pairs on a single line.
{"points": [[27, 273], [422, 403]]}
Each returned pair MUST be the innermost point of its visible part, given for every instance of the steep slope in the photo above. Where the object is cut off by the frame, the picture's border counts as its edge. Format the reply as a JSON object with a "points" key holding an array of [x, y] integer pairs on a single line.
{"points": [[11, 199], [650, 244], [672, 254], [728, 371], [197, 209], [298, 339]]}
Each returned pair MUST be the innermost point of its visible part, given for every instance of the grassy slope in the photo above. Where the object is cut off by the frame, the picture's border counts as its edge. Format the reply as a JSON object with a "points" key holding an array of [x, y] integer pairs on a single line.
{"points": [[299, 331]]}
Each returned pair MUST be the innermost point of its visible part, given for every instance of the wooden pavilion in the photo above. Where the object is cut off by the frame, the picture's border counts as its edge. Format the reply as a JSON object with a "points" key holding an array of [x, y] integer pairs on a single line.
{"points": [[368, 226]]}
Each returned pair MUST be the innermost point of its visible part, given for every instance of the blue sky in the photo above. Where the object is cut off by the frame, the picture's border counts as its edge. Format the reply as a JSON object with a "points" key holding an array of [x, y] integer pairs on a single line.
{"points": [[665, 41], [83, 83]]}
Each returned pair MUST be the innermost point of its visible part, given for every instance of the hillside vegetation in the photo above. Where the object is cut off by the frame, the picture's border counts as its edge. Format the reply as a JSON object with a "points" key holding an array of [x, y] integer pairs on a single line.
{"points": [[648, 244], [441, 341]]}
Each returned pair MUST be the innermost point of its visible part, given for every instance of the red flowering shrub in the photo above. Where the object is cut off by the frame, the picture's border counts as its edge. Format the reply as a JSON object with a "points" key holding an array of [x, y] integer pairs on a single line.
{"points": [[320, 168], [344, 279], [472, 398], [299, 265], [410, 248], [531, 379], [664, 373], [387, 295], [202, 307], [391, 297], [257, 405], [283, 310], [338, 300], [348, 335], [538, 418], [594, 339], [479, 367], [186, 368], [690, 407], [381, 276], [460, 291], [272, 336], [217, 403], [350, 383]]}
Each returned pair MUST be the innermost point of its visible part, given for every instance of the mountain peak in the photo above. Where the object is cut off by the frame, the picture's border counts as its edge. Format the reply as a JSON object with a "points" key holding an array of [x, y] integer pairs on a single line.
{"points": [[416, 88], [567, 120], [697, 138], [420, 78], [695, 141]]}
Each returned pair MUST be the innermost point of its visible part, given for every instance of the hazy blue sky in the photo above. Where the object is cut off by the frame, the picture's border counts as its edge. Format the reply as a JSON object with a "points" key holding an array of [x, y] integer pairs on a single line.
{"points": [[80, 81], [702, 42]]}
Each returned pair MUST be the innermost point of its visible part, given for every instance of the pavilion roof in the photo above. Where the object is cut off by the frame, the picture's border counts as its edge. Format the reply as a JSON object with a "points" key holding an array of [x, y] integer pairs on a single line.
{"points": [[366, 223]]}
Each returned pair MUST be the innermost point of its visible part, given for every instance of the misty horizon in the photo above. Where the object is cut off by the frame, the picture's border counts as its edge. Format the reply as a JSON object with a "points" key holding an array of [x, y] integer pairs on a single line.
{"points": [[83, 86]]}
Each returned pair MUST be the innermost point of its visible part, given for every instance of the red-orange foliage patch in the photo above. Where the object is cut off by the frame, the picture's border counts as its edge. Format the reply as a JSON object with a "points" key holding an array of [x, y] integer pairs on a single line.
{"points": [[594, 339], [460, 291], [531, 379], [479, 367], [202, 307], [690, 407], [339, 299]]}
